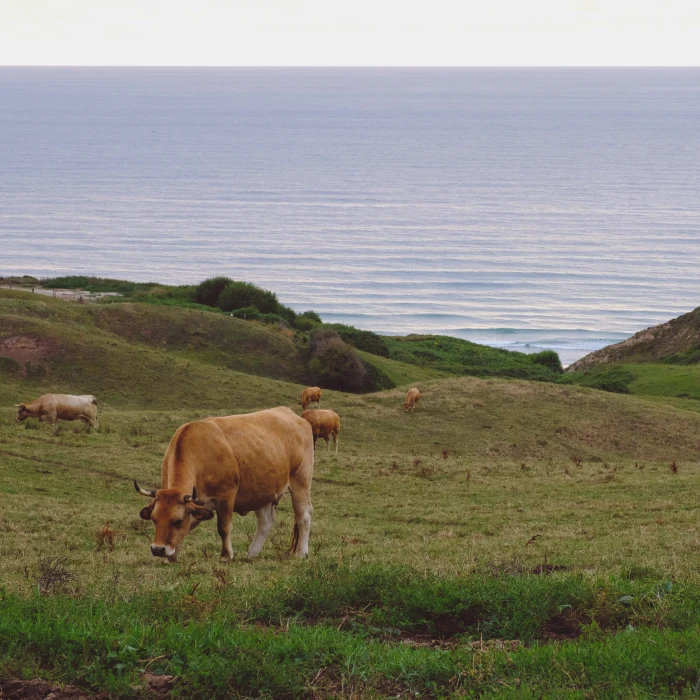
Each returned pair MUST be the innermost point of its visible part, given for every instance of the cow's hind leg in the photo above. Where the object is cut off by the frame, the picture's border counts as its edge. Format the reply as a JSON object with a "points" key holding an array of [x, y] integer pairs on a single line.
{"points": [[301, 502], [224, 514], [266, 519]]}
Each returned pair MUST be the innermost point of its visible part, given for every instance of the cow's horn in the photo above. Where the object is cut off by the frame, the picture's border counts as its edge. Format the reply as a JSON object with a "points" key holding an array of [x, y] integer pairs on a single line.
{"points": [[193, 497], [16, 405], [144, 492]]}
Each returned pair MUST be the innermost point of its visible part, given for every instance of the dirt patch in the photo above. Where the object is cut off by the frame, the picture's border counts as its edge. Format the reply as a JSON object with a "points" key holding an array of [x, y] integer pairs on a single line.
{"points": [[42, 690], [158, 686], [25, 349], [562, 626], [548, 568]]}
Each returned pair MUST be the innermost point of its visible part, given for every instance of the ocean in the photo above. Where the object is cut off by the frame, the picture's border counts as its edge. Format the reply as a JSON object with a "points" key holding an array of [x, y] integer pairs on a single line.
{"points": [[522, 208]]}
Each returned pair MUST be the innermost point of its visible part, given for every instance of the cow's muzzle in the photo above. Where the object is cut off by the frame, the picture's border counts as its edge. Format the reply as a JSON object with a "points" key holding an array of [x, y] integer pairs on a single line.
{"points": [[157, 550]]}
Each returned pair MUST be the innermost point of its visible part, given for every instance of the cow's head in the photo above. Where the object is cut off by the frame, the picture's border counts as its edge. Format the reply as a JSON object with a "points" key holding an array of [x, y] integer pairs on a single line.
{"points": [[22, 411], [174, 514]]}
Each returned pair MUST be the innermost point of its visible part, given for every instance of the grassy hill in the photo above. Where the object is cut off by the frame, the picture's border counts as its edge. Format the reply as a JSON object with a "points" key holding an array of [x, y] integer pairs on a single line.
{"points": [[434, 355], [124, 353], [677, 342], [508, 536]]}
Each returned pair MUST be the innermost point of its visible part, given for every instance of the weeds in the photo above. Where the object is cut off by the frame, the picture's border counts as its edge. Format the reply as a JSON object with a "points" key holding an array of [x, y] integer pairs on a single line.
{"points": [[54, 576], [105, 538]]}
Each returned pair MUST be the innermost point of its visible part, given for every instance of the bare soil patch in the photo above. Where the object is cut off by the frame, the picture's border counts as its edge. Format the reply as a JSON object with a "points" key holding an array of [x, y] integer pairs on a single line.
{"points": [[42, 690], [26, 348]]}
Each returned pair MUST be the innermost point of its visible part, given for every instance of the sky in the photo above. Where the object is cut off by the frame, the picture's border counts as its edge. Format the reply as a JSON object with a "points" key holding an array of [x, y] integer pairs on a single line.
{"points": [[350, 33]]}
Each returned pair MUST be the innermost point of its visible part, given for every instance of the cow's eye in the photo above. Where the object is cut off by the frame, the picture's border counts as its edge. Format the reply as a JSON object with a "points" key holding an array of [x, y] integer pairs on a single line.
{"points": [[177, 523]]}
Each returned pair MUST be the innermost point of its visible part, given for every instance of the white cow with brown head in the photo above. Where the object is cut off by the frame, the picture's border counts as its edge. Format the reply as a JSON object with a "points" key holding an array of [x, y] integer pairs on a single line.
{"points": [[50, 408]]}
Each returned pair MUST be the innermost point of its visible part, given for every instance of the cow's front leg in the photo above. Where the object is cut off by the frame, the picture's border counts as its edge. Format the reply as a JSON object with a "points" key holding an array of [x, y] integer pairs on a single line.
{"points": [[266, 519], [224, 514]]}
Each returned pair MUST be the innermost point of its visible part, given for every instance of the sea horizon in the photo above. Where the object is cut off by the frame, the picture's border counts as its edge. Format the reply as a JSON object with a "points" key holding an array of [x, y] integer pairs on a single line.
{"points": [[525, 208]]}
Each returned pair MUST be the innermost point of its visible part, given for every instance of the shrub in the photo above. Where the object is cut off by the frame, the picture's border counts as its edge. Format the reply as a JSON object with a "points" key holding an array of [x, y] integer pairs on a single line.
{"points": [[614, 379], [250, 313], [547, 358], [209, 291], [362, 340], [95, 284], [689, 357], [238, 295], [336, 365]]}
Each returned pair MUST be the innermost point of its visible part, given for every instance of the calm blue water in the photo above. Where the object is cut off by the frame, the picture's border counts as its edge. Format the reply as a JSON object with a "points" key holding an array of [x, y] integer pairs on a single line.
{"points": [[543, 207]]}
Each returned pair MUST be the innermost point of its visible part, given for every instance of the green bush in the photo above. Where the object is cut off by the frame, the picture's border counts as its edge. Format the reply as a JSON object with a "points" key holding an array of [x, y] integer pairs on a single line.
{"points": [[548, 359], [336, 365], [238, 295], [689, 357], [457, 356], [613, 379], [362, 340], [250, 313], [95, 284], [209, 291]]}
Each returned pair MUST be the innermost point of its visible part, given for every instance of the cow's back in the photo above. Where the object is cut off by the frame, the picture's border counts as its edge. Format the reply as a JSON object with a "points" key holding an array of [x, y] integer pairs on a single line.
{"points": [[323, 422], [66, 405], [258, 450], [277, 432]]}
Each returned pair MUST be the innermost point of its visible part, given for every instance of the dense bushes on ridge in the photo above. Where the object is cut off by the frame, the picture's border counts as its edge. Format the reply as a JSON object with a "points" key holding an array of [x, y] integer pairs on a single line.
{"points": [[336, 365]]}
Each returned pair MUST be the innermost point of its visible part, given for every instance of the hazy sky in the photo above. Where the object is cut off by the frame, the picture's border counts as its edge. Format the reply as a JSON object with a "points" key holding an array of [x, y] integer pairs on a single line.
{"points": [[353, 32]]}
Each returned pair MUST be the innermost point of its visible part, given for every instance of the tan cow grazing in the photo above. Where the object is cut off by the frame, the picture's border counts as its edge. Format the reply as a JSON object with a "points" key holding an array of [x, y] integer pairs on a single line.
{"points": [[310, 395], [234, 464], [324, 424], [52, 407], [412, 398]]}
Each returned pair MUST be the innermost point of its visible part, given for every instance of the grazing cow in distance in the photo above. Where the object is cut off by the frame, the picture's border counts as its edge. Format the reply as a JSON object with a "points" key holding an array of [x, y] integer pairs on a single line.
{"points": [[310, 395], [324, 424], [52, 407], [233, 464], [412, 398]]}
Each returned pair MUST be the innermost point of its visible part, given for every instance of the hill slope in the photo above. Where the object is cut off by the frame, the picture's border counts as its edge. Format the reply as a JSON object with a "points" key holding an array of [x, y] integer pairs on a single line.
{"points": [[138, 357], [115, 347], [677, 341]]}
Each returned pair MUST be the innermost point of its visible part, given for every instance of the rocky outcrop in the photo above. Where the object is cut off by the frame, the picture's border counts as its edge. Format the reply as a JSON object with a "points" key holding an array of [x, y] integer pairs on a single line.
{"points": [[654, 344]]}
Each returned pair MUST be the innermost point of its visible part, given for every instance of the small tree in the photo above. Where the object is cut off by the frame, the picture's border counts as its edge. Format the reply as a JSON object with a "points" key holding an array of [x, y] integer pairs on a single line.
{"points": [[338, 366], [209, 291]]}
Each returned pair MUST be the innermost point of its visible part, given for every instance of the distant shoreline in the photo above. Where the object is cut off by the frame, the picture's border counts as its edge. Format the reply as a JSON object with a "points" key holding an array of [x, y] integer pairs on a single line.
{"points": [[562, 341]]}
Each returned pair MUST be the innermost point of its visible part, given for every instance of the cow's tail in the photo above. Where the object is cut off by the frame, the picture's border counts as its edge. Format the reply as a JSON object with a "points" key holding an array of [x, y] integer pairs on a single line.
{"points": [[295, 539], [94, 400]]}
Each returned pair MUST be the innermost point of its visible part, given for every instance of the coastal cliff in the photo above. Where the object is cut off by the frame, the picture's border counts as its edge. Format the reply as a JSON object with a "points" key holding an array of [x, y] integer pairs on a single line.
{"points": [[676, 341]]}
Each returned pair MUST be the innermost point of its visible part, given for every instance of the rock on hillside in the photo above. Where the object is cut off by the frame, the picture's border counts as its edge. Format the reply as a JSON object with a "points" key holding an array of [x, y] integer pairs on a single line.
{"points": [[675, 337]]}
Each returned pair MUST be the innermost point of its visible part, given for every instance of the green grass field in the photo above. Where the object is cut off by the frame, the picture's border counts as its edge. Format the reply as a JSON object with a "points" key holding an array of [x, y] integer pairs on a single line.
{"points": [[507, 539]]}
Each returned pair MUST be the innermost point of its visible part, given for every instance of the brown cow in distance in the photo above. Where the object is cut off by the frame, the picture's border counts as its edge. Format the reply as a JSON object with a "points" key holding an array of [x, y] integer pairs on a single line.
{"points": [[324, 424], [412, 398], [310, 395], [233, 464], [50, 408]]}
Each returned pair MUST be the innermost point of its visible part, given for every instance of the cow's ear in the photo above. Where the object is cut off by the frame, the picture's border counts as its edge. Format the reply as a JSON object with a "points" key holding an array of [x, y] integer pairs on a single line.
{"points": [[146, 512], [199, 512]]}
